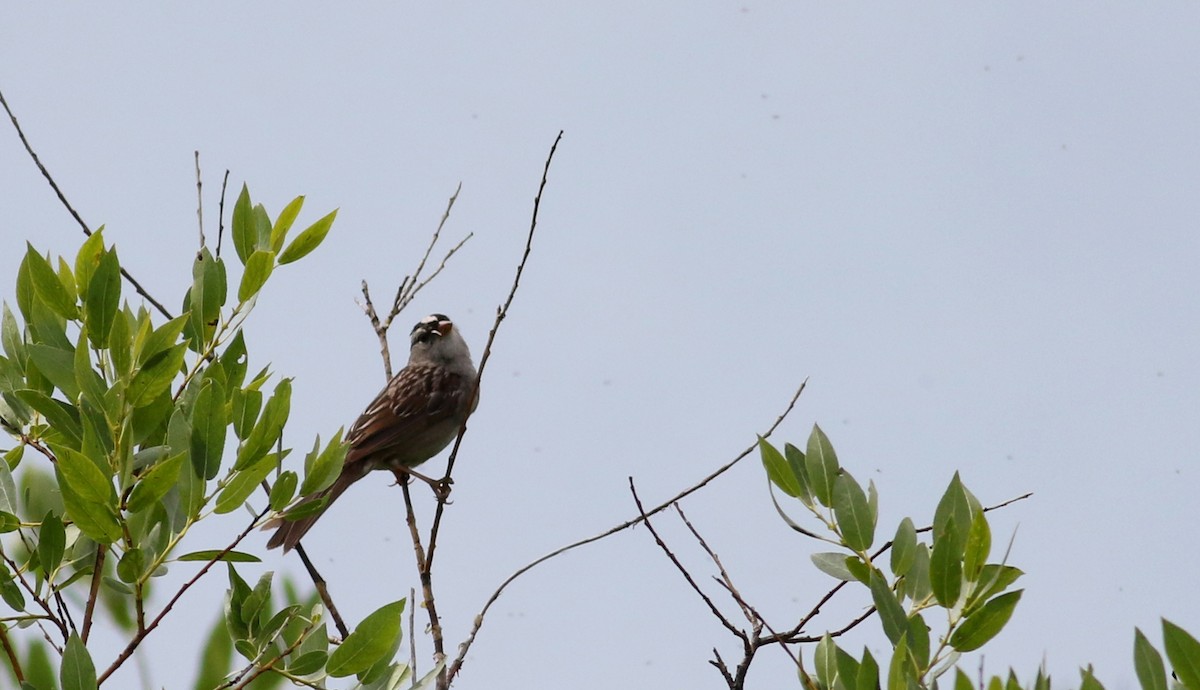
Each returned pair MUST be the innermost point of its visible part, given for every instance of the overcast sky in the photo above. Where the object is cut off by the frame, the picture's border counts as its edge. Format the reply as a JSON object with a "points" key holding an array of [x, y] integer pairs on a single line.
{"points": [[973, 227]]}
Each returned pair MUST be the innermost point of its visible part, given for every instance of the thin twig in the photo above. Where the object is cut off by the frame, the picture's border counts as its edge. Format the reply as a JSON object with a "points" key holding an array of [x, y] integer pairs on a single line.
{"points": [[746, 610], [141, 635], [466, 645], [199, 201], [93, 592], [221, 214], [62, 628], [679, 566], [74, 214], [323, 591], [423, 571], [14, 664], [447, 674]]}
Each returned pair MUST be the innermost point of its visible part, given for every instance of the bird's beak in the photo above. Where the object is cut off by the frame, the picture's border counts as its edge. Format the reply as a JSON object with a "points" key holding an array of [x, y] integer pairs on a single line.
{"points": [[444, 327]]}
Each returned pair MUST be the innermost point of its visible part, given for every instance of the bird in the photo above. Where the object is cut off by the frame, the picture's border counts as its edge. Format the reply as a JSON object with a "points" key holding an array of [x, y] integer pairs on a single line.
{"points": [[417, 414]]}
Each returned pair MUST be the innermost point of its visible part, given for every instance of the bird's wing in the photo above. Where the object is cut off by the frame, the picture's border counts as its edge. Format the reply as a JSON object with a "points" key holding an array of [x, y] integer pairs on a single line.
{"points": [[418, 398]]}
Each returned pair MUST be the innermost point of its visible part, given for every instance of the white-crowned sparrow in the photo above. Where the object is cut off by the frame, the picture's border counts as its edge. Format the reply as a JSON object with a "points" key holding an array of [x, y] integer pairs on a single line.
{"points": [[414, 417]]}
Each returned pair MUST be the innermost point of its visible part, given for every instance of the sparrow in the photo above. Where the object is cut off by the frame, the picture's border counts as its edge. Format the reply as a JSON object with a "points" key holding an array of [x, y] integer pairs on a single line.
{"points": [[417, 414]]}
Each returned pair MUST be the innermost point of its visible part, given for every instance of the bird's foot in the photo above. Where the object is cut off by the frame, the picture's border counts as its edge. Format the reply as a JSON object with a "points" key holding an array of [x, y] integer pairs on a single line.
{"points": [[441, 487]]}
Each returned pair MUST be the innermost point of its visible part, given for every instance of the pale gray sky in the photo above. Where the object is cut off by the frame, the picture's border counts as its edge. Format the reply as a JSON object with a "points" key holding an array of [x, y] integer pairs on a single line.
{"points": [[974, 227]]}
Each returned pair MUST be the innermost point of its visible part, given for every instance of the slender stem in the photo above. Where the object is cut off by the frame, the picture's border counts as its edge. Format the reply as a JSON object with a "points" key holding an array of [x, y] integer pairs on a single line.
{"points": [[323, 591], [12, 654], [93, 592]]}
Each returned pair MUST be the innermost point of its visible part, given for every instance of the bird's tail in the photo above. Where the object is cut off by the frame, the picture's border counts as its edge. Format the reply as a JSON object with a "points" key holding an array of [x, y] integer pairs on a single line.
{"points": [[289, 532]]}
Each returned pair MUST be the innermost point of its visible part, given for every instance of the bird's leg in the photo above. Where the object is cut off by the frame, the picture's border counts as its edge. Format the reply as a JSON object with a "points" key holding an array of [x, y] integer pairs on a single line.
{"points": [[441, 487]]}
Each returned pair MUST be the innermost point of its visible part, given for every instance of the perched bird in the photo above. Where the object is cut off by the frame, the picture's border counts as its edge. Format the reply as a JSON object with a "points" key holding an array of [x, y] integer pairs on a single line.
{"points": [[414, 417]]}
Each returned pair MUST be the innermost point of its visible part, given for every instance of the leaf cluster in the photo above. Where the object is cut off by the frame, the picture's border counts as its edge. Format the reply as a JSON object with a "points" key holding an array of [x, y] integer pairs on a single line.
{"points": [[126, 432]]}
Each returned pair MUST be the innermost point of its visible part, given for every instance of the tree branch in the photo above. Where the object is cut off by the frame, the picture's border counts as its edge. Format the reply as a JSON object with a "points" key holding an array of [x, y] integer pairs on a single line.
{"points": [[74, 214], [466, 645]]}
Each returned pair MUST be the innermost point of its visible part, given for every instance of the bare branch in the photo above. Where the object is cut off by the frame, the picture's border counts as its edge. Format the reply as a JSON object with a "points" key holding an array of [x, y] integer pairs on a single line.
{"points": [[447, 674], [682, 570], [323, 592], [466, 645], [199, 201], [94, 592], [221, 214], [74, 214]]}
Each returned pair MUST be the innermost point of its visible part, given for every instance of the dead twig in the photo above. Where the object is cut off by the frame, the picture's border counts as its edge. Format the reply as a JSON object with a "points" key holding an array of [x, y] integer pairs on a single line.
{"points": [[466, 645]]}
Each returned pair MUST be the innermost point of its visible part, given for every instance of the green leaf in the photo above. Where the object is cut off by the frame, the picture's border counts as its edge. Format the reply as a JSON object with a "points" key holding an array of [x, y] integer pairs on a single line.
{"points": [[48, 286], [979, 546], [953, 515], [370, 642], [284, 223], [255, 605], [945, 568], [8, 489], [77, 671], [325, 467], [1148, 663], [270, 425], [868, 673], [847, 668], [217, 658], [917, 580], [52, 541], [258, 269], [11, 338], [63, 417], [309, 662], [88, 258], [985, 623], [246, 405], [834, 565], [209, 286], [795, 460], [68, 281], [902, 671], [308, 240], [120, 344], [156, 375], [9, 522], [891, 613], [778, 469], [228, 556], [103, 298], [58, 366], [208, 429], [853, 513], [904, 547], [131, 566], [1088, 680], [244, 236], [821, 466], [994, 579], [825, 659], [161, 339], [10, 591], [918, 640], [84, 477], [243, 483], [96, 520], [152, 486], [91, 386], [962, 681], [283, 490], [1184, 653]]}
